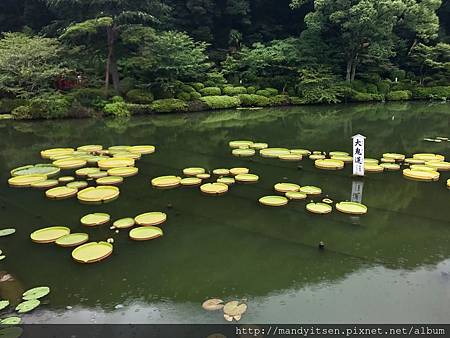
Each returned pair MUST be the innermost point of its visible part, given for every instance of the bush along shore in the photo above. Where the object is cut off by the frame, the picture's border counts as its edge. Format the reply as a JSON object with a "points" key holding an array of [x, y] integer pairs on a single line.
{"points": [[195, 97]]}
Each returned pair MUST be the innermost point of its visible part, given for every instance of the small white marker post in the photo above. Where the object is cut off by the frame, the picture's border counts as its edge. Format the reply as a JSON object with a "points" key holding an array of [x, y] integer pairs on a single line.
{"points": [[358, 155]]}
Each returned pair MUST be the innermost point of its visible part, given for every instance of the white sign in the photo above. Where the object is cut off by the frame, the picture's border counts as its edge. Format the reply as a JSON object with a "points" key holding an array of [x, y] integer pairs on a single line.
{"points": [[357, 191], [358, 155]]}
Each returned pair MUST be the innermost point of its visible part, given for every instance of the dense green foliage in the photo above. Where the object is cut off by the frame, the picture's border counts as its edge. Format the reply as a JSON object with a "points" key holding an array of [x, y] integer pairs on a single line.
{"points": [[63, 58]]}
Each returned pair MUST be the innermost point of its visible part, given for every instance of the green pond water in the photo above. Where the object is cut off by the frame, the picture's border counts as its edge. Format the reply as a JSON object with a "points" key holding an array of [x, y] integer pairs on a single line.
{"points": [[391, 265]]}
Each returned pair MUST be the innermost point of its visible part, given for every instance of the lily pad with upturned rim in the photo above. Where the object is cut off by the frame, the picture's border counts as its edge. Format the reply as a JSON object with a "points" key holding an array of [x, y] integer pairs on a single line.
{"points": [[315, 157], [329, 164], [109, 180], [97, 174], [273, 201], [243, 152], [145, 233], [247, 178], [429, 157], [221, 172], [10, 321], [438, 165], [166, 181], [86, 171], [190, 181], [214, 188], [193, 171], [352, 208], [59, 193], [92, 252], [72, 240], [48, 153], [49, 234], [394, 156], [204, 176], [390, 166], [47, 184], [27, 305], [237, 144], [296, 195], [4, 304], [134, 156], [36, 293], [274, 152], [285, 187], [124, 223], [37, 169], [303, 152], [70, 163], [115, 162], [422, 167], [311, 190], [7, 232], [90, 148], [420, 175], [77, 184], [319, 208], [343, 158], [259, 146], [142, 149], [338, 153], [66, 179], [238, 171], [226, 180], [151, 218], [98, 194], [25, 180], [291, 157], [123, 172], [373, 168], [95, 219]]}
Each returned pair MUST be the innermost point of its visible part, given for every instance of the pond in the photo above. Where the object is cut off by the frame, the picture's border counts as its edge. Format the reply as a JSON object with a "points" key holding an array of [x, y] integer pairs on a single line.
{"points": [[391, 265]]}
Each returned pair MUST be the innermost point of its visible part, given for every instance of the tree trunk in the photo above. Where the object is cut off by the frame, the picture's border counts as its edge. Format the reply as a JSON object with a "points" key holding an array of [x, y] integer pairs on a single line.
{"points": [[111, 63], [348, 76], [355, 63]]}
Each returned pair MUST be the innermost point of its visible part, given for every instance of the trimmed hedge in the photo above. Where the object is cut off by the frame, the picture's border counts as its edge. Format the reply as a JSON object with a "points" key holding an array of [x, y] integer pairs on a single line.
{"points": [[210, 91], [198, 86], [195, 96], [433, 93], [139, 109], [399, 95], [187, 88], [169, 106], [8, 105], [117, 108], [251, 90], [253, 100], [267, 92], [221, 102], [280, 100], [233, 91], [183, 96], [140, 96]]}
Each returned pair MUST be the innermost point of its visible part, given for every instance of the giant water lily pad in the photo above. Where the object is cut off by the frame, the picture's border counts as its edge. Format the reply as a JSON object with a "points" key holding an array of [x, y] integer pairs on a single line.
{"points": [[319, 208], [191, 181], [429, 157], [98, 194], [315, 157], [221, 172], [273, 201], [194, 171], [124, 223], [10, 321], [303, 152], [352, 208], [226, 180], [92, 252], [247, 178], [98, 174], [394, 156], [438, 165], [44, 184], [285, 187], [311, 190], [420, 175], [70, 163], [7, 232], [143, 149], [77, 185], [95, 219], [145, 233], [38, 169], [373, 168], [86, 171], [214, 188], [4, 304], [36, 293], [72, 240], [109, 180], [115, 162], [414, 161], [390, 166], [338, 153], [123, 172], [296, 195], [239, 144], [90, 148], [27, 305], [274, 152], [343, 158], [49, 153], [166, 181], [259, 146], [25, 180], [204, 176], [422, 167], [66, 179], [49, 235], [61, 193], [329, 164], [291, 157], [213, 304], [239, 171], [151, 218], [113, 149], [243, 152], [134, 156]]}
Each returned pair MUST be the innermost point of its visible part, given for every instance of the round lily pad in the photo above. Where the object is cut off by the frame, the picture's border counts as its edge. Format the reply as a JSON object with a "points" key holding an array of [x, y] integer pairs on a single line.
{"points": [[86, 171], [373, 168], [420, 175], [92, 252], [38, 169], [7, 232], [113, 149], [26, 180], [4, 304], [247, 178], [259, 146], [414, 161], [319, 208], [36, 293], [115, 162], [77, 185], [237, 144], [72, 240], [285, 187], [421, 167], [429, 157], [338, 153], [329, 164], [311, 190], [124, 223], [352, 208], [226, 180], [66, 179], [44, 184], [166, 181], [296, 195], [221, 172], [193, 171], [49, 153], [151, 218], [239, 171], [27, 305], [109, 180], [95, 219], [394, 156], [438, 165], [90, 148], [243, 152], [134, 156], [214, 188], [273, 201], [145, 233], [274, 152], [49, 235], [316, 157], [213, 304], [303, 152], [123, 172], [61, 193], [234, 308], [10, 321], [191, 181], [383, 160], [98, 194], [343, 158], [390, 166], [97, 174], [70, 163], [291, 157], [204, 176], [143, 149]]}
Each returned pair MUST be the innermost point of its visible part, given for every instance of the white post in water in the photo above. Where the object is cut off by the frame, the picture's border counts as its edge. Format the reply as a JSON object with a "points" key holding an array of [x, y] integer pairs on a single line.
{"points": [[358, 155]]}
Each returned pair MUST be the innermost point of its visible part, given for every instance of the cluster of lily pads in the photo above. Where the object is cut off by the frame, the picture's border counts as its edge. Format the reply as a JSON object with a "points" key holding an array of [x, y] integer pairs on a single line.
{"points": [[221, 178], [105, 168], [437, 139], [31, 300], [421, 166], [232, 310], [92, 252]]}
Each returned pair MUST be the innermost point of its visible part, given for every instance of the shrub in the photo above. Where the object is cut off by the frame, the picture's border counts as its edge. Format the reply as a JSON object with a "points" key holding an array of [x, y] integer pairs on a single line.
{"points": [[198, 86], [280, 100], [8, 105], [50, 106], [140, 96], [253, 100], [359, 86], [117, 108], [233, 91], [184, 96], [169, 106], [251, 90], [371, 88], [221, 102], [210, 91], [195, 96], [296, 101], [187, 88], [384, 87], [90, 97], [22, 113], [364, 97], [434, 93], [138, 109], [399, 95], [263, 92]]}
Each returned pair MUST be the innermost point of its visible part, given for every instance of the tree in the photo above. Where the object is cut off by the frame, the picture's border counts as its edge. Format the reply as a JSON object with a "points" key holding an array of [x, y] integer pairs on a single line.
{"points": [[431, 59], [29, 65], [110, 17]]}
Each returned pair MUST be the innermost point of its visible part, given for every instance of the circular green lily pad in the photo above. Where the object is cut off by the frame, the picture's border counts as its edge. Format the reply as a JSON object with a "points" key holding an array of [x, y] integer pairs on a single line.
{"points": [[36, 293], [61, 193], [421, 175], [421, 167], [390, 166], [98, 194], [338, 153], [243, 152], [285, 187], [221, 172], [226, 180], [115, 162], [274, 152], [77, 185], [4, 304], [95, 219], [134, 156], [394, 156], [72, 240], [44, 184], [193, 171], [66, 179], [166, 181], [92, 252], [345, 159], [37, 169], [49, 235], [113, 149], [143, 149], [273, 201], [70, 163], [319, 208], [7, 232], [27, 305], [383, 160], [150, 218], [247, 178], [204, 176], [316, 157], [291, 157], [86, 171], [124, 223], [438, 165], [429, 157], [373, 168], [329, 164], [259, 146], [239, 171], [10, 321], [296, 195], [352, 208], [109, 180], [49, 153], [214, 188], [191, 181], [414, 161], [90, 148], [303, 152], [145, 233], [98, 174], [123, 172], [25, 180], [238, 144], [311, 190]]}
